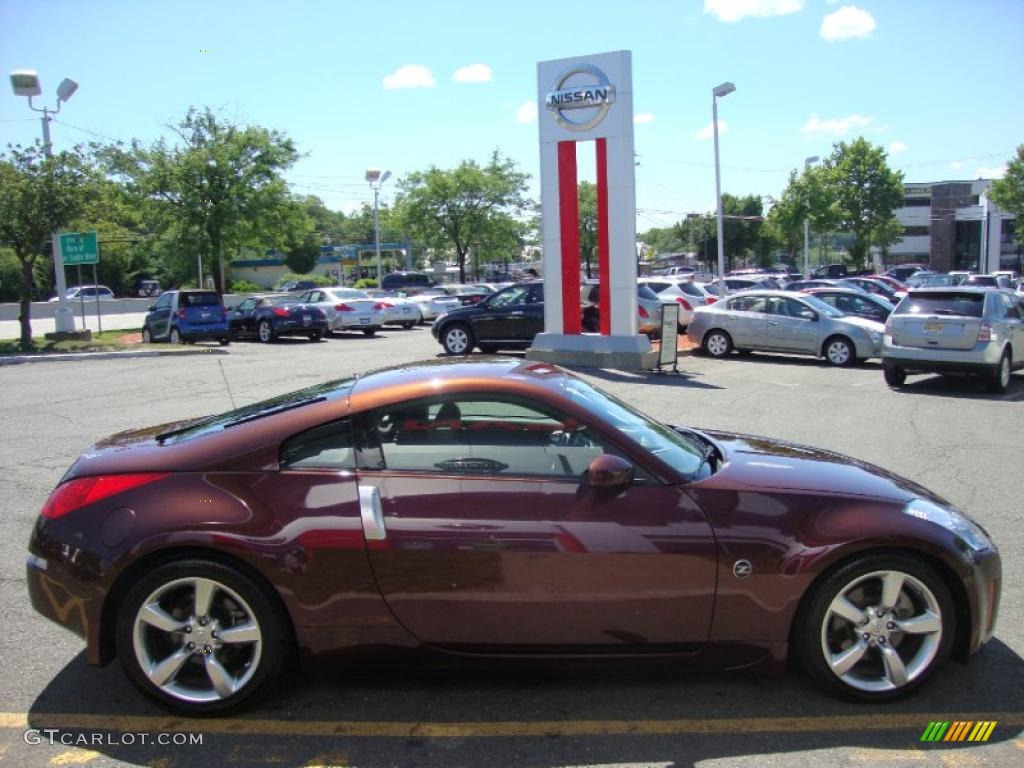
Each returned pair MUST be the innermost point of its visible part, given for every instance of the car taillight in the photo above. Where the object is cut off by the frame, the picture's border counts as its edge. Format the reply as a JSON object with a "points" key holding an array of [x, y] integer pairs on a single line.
{"points": [[643, 313], [709, 300], [82, 491], [382, 305], [986, 332], [343, 308], [281, 311], [181, 313], [683, 303]]}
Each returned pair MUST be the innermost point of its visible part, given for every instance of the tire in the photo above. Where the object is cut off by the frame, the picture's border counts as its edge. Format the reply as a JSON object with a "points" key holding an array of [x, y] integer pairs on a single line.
{"points": [[848, 654], [370, 331], [408, 326], [175, 336], [153, 648], [998, 380], [316, 336], [717, 343], [265, 332], [839, 351], [895, 375], [147, 335], [457, 339], [224, 341], [488, 349]]}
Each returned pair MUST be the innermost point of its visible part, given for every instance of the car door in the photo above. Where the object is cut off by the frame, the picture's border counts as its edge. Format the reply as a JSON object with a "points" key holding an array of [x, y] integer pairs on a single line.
{"points": [[159, 317], [1014, 326], [484, 535], [788, 330], [503, 314], [746, 319], [240, 317]]}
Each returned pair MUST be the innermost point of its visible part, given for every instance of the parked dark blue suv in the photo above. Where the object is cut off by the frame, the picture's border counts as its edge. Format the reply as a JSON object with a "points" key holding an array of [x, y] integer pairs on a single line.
{"points": [[180, 316]]}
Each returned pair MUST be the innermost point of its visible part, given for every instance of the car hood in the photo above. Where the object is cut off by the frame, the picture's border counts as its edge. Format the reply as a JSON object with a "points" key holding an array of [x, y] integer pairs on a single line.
{"points": [[767, 464], [864, 322]]}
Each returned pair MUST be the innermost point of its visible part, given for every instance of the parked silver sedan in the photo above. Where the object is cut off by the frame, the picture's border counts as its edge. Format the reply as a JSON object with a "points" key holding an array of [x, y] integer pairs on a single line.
{"points": [[346, 308], [784, 321], [397, 308], [955, 330]]}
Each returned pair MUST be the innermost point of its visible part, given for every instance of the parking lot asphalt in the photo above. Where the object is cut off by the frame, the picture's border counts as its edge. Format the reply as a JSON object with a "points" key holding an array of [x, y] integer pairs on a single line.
{"points": [[958, 440]]}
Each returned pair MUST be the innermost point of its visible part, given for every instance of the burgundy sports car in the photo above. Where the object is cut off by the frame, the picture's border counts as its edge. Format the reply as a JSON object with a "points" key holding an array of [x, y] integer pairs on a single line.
{"points": [[497, 508]]}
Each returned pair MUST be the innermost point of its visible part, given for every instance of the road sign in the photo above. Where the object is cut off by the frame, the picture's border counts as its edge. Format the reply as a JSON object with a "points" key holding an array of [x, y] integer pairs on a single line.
{"points": [[79, 248]]}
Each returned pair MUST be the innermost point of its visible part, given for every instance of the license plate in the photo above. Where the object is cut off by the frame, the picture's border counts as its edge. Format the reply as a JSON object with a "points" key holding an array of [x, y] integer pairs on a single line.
{"points": [[364, 320], [205, 315], [307, 320], [933, 327]]}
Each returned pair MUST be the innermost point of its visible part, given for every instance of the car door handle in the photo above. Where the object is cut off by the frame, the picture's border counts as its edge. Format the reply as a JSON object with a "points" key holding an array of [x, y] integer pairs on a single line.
{"points": [[372, 514], [773, 322]]}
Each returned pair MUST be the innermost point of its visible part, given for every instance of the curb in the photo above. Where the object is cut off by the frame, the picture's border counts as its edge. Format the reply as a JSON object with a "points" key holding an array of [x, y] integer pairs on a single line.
{"points": [[44, 358]]}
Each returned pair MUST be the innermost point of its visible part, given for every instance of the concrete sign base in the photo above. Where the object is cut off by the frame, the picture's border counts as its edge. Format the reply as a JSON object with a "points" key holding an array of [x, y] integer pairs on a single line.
{"points": [[591, 350]]}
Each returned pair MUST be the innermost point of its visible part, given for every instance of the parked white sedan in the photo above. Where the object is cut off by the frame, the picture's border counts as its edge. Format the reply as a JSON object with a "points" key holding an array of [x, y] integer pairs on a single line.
{"points": [[398, 308], [435, 301], [346, 308]]}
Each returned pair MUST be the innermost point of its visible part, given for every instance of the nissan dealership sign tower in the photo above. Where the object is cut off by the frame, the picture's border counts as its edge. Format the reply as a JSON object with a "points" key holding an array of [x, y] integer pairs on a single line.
{"points": [[589, 99]]}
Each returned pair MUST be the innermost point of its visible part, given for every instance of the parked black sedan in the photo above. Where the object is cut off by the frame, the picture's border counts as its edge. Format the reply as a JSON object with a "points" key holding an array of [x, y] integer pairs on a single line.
{"points": [[268, 316], [508, 319]]}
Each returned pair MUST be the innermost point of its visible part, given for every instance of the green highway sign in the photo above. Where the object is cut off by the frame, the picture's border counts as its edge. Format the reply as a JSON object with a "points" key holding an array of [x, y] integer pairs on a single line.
{"points": [[79, 248]]}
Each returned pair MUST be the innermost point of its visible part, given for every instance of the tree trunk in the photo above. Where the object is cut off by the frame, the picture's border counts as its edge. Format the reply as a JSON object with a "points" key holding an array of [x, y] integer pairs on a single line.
{"points": [[26, 304]]}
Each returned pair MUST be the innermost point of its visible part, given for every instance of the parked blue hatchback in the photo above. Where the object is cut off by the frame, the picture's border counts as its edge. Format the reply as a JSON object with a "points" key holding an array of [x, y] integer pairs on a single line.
{"points": [[180, 316]]}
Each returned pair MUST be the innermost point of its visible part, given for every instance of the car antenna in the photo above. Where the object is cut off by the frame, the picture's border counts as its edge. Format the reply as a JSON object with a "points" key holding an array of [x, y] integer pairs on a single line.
{"points": [[226, 385]]}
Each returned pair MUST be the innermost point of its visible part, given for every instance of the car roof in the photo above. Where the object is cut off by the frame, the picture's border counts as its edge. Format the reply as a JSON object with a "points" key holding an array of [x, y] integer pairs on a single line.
{"points": [[954, 289]]}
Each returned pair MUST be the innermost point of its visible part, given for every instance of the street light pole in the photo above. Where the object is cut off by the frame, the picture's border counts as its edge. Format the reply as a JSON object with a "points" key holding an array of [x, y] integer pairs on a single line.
{"points": [[718, 91], [808, 162], [25, 82], [376, 179]]}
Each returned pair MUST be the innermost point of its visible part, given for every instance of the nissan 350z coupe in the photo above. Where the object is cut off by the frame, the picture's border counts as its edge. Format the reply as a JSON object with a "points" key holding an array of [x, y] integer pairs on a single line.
{"points": [[497, 508]]}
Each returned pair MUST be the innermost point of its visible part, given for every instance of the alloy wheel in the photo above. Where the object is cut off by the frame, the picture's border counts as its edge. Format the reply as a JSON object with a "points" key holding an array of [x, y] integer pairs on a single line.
{"points": [[197, 640], [265, 332], [882, 631]]}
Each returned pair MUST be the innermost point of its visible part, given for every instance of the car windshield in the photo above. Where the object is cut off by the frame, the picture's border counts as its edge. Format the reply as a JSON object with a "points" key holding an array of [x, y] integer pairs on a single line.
{"points": [[822, 307], [350, 294], [661, 441], [211, 424], [984, 281], [958, 304], [644, 292]]}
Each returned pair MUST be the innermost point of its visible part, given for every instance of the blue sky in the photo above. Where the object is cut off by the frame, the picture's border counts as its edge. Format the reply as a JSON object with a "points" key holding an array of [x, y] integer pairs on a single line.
{"points": [[936, 82]]}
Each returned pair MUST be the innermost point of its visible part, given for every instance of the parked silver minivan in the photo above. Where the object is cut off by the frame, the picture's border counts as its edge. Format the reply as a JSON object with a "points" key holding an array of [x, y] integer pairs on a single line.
{"points": [[784, 321], [955, 330]]}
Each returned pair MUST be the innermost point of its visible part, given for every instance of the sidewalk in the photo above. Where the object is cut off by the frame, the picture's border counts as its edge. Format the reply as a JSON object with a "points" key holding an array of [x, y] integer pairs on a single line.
{"points": [[11, 329]]}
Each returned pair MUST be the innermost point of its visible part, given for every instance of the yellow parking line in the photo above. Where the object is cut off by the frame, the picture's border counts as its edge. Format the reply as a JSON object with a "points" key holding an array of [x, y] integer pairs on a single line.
{"points": [[253, 727], [74, 757]]}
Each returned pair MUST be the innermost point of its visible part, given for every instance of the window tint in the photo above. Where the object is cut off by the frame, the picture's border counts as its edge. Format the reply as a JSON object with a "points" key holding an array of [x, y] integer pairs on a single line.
{"points": [[690, 289], [658, 287], [477, 435], [957, 304], [164, 301], [325, 447], [643, 292], [247, 305], [749, 304], [515, 295], [197, 299], [1012, 307]]}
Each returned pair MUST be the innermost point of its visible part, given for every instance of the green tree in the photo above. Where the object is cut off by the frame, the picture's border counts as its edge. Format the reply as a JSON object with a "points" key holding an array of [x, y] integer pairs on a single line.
{"points": [[1008, 192], [39, 195], [587, 201], [301, 257], [218, 189], [455, 210], [865, 191]]}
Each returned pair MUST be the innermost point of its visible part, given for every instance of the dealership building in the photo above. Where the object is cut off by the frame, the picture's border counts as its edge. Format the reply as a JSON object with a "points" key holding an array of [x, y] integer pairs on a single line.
{"points": [[952, 225]]}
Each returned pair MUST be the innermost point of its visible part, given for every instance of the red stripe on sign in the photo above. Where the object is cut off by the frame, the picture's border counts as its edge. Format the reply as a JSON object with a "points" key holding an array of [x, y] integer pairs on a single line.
{"points": [[603, 241], [569, 219]]}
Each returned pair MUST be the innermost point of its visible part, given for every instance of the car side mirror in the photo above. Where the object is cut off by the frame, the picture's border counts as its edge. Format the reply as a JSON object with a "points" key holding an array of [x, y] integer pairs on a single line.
{"points": [[609, 471], [152, 308], [230, 308], [809, 314]]}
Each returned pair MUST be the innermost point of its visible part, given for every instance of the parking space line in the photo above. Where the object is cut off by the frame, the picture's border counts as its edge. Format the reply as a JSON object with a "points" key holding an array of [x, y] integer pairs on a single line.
{"points": [[874, 755], [74, 757], [498, 729]]}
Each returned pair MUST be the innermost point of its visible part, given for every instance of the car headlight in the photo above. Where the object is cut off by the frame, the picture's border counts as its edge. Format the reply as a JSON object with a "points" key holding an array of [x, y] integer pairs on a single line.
{"points": [[952, 520]]}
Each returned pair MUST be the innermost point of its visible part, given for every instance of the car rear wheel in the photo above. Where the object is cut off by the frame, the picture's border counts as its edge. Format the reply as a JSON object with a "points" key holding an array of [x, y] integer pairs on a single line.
{"points": [[457, 339], [147, 336], [175, 336], [718, 343], [877, 627], [199, 636], [369, 331], [408, 326], [895, 375], [224, 341], [265, 332], [999, 379], [488, 349], [316, 336], [840, 352]]}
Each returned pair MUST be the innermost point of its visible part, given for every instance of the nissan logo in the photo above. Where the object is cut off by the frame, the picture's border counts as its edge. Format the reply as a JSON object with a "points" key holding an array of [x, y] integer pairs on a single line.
{"points": [[597, 96], [741, 569]]}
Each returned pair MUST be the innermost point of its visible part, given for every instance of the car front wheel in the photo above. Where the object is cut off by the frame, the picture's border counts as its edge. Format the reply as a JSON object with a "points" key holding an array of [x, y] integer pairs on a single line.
{"points": [[147, 336], [199, 636], [840, 352], [718, 344], [457, 339], [877, 627], [265, 332]]}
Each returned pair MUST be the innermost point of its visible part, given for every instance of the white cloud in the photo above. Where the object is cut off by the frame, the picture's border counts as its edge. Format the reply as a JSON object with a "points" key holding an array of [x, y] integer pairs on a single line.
{"points": [[643, 117], [895, 147], [708, 131], [473, 73], [527, 112], [846, 23], [956, 165], [409, 76], [990, 173], [734, 10], [834, 126]]}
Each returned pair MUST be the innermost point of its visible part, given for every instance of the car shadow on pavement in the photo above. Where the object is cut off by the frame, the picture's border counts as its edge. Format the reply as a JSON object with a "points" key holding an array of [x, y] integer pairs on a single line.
{"points": [[961, 386], [805, 361], [616, 713], [665, 378]]}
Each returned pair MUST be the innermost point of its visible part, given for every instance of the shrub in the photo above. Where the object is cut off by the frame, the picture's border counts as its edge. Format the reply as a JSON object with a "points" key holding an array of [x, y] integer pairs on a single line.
{"points": [[318, 279], [365, 283], [244, 286]]}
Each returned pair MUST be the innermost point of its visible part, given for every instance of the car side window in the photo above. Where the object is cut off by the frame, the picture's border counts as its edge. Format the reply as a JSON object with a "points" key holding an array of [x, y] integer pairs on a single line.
{"points": [[749, 304], [1010, 308], [164, 301], [247, 305], [478, 436], [328, 447]]}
